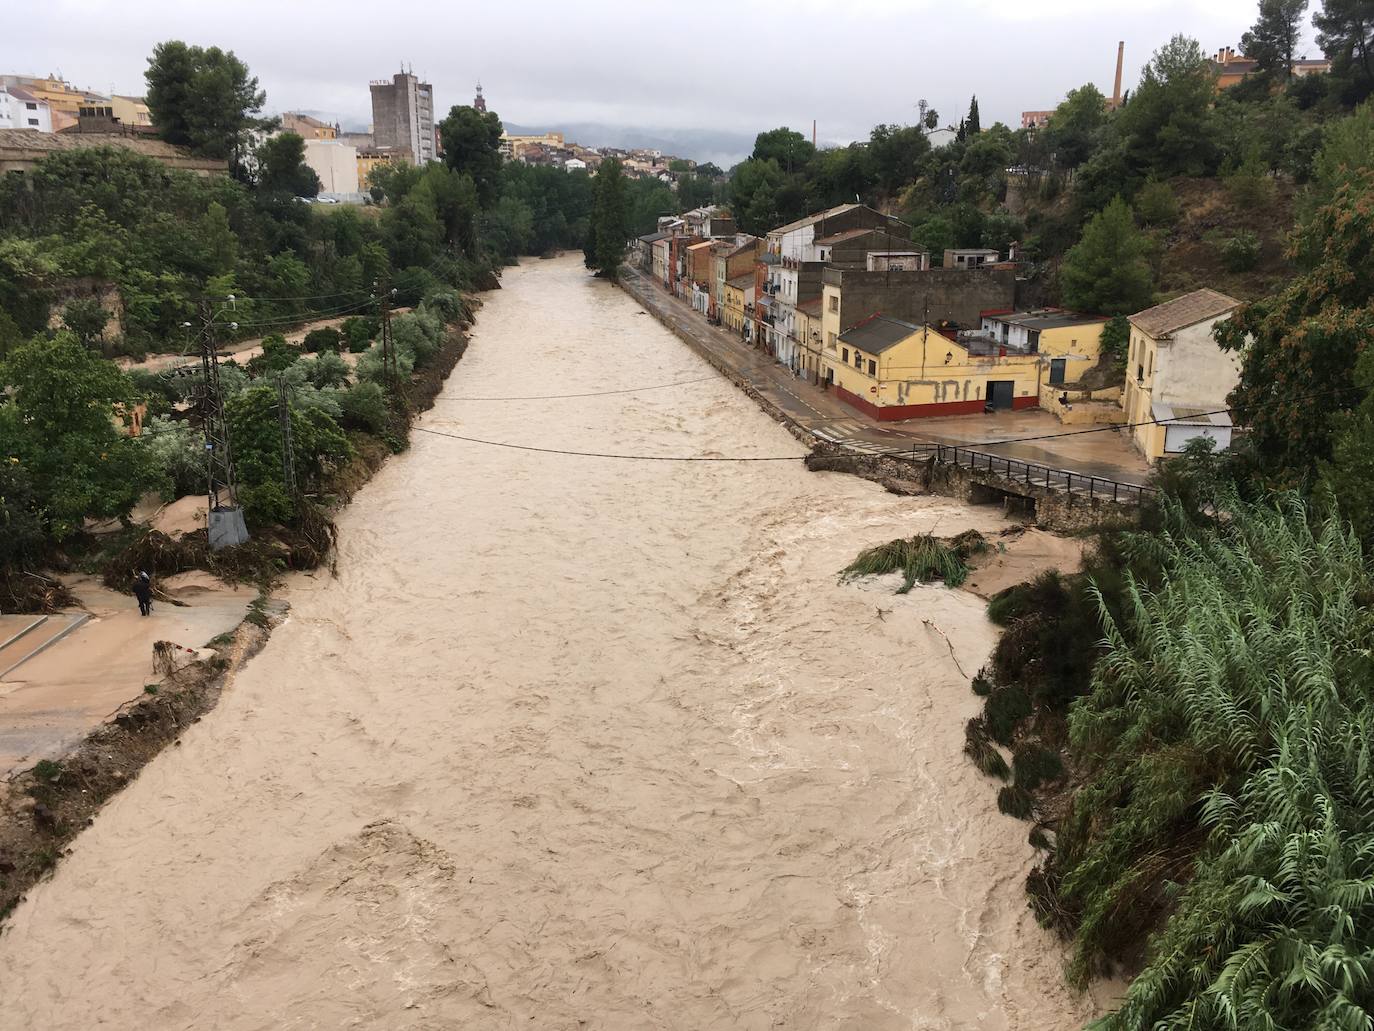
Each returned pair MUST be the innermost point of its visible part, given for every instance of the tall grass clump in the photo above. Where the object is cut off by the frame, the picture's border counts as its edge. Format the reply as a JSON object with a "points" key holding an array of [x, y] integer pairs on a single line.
{"points": [[919, 559], [1229, 792]]}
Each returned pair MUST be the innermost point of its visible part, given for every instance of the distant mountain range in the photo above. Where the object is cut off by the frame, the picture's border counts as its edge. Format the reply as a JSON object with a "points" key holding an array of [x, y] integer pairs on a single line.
{"points": [[723, 148]]}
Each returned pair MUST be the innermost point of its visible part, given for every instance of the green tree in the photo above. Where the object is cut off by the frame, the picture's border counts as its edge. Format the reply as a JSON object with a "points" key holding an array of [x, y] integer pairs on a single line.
{"points": [[87, 319], [610, 221], [1107, 271], [1349, 476], [1075, 127], [318, 445], [1345, 32], [895, 154], [205, 99], [1272, 41], [972, 125], [1299, 346], [220, 241], [59, 424], [472, 146], [1347, 150], [282, 167], [754, 186], [1165, 124], [21, 522], [789, 149], [694, 191]]}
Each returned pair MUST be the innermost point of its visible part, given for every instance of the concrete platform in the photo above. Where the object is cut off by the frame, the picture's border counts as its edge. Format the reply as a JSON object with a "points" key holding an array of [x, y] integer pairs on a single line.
{"points": [[54, 698]]}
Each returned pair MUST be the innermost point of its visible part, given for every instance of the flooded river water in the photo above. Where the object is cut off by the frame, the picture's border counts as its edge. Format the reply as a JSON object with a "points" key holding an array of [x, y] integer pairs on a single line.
{"points": [[572, 742]]}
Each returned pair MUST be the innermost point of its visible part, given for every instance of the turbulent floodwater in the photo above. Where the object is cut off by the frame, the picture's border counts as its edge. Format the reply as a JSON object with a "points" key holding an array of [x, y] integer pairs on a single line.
{"points": [[571, 743]]}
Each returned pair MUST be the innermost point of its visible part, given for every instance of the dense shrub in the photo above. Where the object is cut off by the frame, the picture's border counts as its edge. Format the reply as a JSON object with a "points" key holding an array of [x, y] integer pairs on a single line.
{"points": [[326, 339], [1241, 252], [360, 331], [364, 407], [1156, 204]]}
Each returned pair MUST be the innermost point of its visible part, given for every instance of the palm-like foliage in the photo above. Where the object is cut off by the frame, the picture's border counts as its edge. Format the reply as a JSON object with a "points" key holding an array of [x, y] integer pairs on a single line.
{"points": [[1230, 773]]}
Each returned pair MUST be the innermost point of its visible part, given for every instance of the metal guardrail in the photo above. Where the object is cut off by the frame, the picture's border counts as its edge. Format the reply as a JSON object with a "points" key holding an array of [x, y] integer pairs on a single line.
{"points": [[1033, 474]]}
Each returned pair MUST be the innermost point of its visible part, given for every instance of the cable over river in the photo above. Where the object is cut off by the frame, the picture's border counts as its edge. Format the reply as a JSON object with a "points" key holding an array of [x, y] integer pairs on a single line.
{"points": [[572, 742]]}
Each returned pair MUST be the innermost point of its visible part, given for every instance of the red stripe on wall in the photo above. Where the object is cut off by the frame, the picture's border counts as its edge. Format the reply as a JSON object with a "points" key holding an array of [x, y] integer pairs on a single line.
{"points": [[896, 413]]}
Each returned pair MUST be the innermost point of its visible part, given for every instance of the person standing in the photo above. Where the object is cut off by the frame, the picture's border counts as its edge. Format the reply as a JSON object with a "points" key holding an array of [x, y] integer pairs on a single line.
{"points": [[143, 591]]}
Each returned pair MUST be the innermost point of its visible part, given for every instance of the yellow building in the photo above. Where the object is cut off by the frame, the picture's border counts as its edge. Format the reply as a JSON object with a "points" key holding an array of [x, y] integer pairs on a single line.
{"points": [[810, 346], [307, 127], [737, 313], [1177, 377], [513, 147], [1070, 343], [891, 369], [131, 111], [63, 99], [367, 161]]}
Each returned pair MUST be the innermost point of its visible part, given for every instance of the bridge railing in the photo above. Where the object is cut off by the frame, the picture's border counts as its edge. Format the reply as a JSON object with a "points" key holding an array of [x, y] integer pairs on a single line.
{"points": [[1033, 474]]}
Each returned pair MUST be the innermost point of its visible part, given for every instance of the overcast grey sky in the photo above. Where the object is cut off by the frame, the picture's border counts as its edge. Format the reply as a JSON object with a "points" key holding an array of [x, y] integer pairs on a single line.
{"points": [[736, 65]]}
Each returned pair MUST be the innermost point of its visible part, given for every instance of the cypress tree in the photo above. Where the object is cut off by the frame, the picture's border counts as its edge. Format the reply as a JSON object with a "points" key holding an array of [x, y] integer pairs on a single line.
{"points": [[605, 249]]}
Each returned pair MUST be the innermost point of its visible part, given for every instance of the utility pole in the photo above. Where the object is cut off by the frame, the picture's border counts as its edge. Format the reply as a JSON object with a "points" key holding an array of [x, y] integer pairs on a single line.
{"points": [[224, 522], [288, 451], [389, 365]]}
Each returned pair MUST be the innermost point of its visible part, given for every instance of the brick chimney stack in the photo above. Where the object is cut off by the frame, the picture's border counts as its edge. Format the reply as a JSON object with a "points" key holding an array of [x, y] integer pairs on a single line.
{"points": [[1120, 59]]}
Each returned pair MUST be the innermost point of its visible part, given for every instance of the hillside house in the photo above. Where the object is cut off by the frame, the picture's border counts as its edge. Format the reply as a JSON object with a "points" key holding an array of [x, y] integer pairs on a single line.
{"points": [[1177, 377]]}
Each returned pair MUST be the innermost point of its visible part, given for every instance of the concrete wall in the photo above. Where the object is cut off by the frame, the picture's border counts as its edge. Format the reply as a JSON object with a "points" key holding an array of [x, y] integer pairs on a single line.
{"points": [[937, 294], [335, 163]]}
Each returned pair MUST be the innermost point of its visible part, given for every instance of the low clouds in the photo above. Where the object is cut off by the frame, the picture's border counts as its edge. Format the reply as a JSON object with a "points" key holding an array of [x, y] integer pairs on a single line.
{"points": [[715, 64]]}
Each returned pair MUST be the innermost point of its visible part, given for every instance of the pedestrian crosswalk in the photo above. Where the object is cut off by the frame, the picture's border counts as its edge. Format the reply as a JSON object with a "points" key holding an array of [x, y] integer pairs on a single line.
{"points": [[848, 433]]}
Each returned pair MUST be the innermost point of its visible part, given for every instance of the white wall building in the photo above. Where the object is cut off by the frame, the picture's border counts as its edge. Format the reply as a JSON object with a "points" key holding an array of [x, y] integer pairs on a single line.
{"points": [[20, 109], [335, 163], [1177, 377]]}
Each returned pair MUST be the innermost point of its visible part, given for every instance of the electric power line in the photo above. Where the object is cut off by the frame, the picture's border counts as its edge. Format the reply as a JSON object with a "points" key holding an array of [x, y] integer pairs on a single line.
{"points": [[595, 393], [599, 454]]}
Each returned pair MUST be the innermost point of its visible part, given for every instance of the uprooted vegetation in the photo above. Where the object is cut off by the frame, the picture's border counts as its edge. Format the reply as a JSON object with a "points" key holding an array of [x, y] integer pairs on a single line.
{"points": [[922, 559]]}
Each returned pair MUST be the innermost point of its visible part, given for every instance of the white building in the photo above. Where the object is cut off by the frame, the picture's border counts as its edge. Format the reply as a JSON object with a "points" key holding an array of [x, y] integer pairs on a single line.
{"points": [[335, 163], [1177, 377], [795, 255], [574, 165], [20, 109]]}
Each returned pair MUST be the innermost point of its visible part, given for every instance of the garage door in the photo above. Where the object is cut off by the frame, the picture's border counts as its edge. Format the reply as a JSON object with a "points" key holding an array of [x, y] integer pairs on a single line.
{"points": [[1000, 392]]}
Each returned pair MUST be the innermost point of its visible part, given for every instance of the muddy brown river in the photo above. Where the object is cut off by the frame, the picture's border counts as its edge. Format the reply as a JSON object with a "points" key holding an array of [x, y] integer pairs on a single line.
{"points": [[572, 743]]}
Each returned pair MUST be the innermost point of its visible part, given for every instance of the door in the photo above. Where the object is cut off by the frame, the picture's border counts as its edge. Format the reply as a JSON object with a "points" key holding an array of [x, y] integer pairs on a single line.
{"points": [[1057, 366], [1000, 393]]}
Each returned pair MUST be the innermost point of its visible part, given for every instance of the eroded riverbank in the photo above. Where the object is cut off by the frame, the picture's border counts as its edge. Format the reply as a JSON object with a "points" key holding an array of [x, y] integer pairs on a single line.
{"points": [[572, 742]]}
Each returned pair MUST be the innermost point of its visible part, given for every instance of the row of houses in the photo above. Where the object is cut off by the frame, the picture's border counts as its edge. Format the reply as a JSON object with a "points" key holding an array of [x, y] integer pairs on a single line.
{"points": [[843, 300]]}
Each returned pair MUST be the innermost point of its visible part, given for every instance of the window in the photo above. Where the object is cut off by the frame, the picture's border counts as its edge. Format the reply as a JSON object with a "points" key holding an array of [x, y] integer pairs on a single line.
{"points": [[835, 302], [872, 368], [830, 341], [33, 121], [858, 360], [31, 107], [845, 355]]}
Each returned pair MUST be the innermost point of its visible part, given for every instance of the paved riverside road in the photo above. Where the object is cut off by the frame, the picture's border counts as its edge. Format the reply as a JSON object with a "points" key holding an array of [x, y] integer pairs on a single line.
{"points": [[1105, 453]]}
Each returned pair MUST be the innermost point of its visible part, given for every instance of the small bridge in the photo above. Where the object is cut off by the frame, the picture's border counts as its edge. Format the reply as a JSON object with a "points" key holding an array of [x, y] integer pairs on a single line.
{"points": [[1014, 475]]}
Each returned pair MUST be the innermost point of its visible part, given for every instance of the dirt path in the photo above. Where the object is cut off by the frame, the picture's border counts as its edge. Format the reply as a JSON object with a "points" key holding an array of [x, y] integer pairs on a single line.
{"points": [[572, 743]]}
